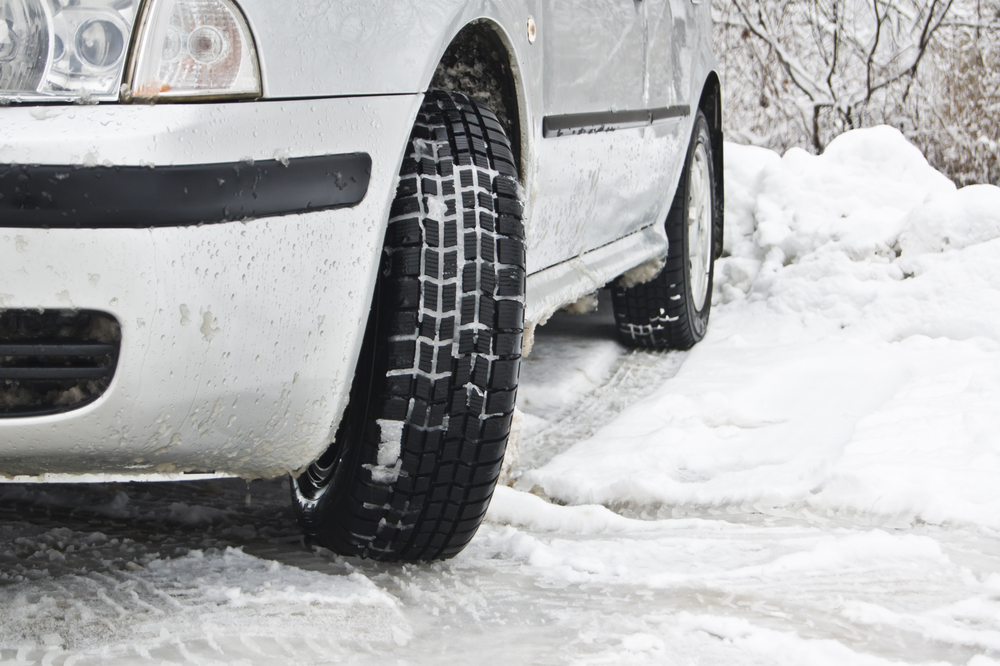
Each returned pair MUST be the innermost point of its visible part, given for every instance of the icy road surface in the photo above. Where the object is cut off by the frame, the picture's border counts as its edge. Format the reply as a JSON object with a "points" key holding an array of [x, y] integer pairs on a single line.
{"points": [[818, 482]]}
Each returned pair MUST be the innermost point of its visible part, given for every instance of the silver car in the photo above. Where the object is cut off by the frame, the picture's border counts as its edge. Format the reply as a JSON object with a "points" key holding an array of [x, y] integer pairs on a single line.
{"points": [[255, 238]]}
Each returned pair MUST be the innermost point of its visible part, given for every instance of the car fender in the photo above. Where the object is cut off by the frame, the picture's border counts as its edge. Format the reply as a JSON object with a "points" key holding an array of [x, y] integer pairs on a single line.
{"points": [[369, 49]]}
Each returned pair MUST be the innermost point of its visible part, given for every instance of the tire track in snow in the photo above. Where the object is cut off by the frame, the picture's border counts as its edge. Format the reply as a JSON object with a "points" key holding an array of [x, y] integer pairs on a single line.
{"points": [[638, 374]]}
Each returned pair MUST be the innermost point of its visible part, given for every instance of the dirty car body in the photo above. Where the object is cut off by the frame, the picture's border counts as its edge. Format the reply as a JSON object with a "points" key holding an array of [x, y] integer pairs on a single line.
{"points": [[194, 195]]}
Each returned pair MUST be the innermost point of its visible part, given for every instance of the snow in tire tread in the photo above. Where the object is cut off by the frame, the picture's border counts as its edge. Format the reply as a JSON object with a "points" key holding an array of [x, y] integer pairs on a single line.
{"points": [[456, 271]]}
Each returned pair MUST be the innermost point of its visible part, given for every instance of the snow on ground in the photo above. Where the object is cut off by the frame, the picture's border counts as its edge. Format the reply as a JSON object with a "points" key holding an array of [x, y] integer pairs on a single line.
{"points": [[812, 484], [853, 361]]}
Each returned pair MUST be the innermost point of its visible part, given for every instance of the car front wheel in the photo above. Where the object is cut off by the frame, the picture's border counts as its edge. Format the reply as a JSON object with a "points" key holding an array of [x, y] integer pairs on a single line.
{"points": [[418, 451]]}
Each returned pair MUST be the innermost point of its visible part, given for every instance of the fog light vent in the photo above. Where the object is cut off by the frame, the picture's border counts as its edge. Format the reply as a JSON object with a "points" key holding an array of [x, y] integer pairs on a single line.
{"points": [[54, 361]]}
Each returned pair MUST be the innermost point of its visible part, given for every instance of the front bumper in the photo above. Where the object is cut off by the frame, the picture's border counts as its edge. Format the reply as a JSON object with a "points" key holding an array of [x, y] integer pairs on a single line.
{"points": [[239, 339]]}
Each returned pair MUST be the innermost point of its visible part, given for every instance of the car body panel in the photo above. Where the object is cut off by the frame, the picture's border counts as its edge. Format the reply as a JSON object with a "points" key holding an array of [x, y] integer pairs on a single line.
{"points": [[594, 55], [239, 339], [171, 134], [592, 188], [670, 50], [377, 48], [250, 376], [589, 191], [551, 289]]}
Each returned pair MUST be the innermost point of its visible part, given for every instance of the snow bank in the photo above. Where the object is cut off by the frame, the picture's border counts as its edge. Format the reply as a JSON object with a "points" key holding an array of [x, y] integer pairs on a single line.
{"points": [[953, 221], [853, 361]]}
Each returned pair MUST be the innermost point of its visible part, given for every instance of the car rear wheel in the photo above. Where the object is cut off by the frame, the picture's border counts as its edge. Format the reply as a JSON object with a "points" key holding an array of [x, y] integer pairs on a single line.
{"points": [[418, 451], [671, 310]]}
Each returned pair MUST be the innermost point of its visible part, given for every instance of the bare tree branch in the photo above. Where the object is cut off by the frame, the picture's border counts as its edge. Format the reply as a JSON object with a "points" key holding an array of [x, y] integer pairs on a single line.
{"points": [[869, 66], [799, 72]]}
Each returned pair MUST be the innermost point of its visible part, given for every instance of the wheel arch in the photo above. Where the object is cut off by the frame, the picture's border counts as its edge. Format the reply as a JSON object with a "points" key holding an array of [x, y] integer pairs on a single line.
{"points": [[480, 62], [711, 105]]}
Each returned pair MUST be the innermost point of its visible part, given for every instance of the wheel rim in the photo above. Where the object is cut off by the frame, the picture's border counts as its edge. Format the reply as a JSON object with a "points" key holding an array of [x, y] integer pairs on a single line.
{"points": [[699, 220], [316, 480]]}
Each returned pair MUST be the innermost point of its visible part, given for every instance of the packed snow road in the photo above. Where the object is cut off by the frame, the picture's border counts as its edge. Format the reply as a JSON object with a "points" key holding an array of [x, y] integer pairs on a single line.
{"points": [[815, 483]]}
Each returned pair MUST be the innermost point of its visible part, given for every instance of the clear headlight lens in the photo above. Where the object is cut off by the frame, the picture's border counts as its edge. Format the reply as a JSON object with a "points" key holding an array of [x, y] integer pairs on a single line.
{"points": [[194, 48], [71, 50], [63, 49]]}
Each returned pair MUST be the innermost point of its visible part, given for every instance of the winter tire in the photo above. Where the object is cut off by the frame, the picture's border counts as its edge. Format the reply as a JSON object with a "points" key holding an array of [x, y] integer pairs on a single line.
{"points": [[671, 310], [418, 451]]}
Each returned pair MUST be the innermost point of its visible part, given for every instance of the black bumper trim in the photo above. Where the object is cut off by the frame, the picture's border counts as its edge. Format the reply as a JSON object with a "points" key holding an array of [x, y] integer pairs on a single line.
{"points": [[135, 197]]}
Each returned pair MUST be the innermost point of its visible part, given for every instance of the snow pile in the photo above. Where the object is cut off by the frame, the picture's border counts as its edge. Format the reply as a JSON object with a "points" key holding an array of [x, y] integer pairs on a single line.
{"points": [[853, 361]]}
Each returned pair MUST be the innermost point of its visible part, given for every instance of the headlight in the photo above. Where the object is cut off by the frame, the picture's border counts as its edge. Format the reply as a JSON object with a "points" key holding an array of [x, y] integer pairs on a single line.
{"points": [[58, 49], [194, 48], [72, 50]]}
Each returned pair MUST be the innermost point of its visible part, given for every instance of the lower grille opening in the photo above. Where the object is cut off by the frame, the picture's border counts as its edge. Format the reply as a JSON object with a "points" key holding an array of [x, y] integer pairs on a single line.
{"points": [[54, 361]]}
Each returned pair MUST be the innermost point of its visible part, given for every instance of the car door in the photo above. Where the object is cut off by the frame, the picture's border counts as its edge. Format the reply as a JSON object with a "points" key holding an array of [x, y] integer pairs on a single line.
{"points": [[594, 55], [591, 185], [673, 34]]}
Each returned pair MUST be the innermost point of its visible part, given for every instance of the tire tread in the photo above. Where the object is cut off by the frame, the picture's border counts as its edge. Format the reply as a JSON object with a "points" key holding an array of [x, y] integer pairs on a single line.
{"points": [[453, 344]]}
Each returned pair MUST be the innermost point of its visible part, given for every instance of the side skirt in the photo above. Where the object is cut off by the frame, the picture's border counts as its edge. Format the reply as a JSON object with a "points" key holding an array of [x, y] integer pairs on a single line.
{"points": [[566, 282]]}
